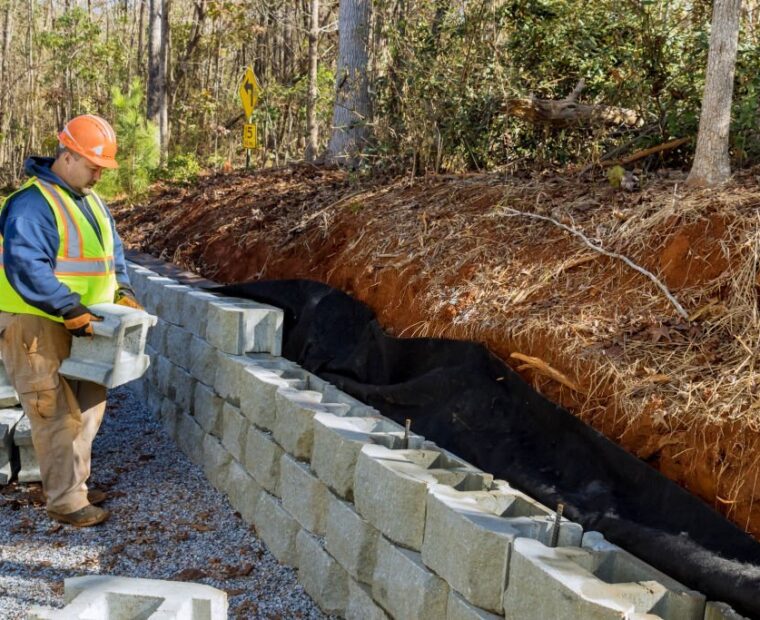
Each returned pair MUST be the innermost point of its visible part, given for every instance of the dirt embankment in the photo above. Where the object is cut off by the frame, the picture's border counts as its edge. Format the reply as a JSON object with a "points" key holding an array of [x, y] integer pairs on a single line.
{"points": [[448, 256]]}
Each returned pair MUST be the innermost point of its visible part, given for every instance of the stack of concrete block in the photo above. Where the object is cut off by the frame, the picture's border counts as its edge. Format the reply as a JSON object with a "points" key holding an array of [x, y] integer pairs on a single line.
{"points": [[29, 466], [9, 418], [8, 396], [110, 598], [379, 522]]}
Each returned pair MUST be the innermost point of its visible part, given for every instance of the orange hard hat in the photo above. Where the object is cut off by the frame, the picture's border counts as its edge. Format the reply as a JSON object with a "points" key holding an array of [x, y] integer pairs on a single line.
{"points": [[91, 137]]}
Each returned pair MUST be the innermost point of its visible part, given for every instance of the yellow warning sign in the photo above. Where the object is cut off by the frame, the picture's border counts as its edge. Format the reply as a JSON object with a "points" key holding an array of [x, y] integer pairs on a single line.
{"points": [[249, 91], [249, 136]]}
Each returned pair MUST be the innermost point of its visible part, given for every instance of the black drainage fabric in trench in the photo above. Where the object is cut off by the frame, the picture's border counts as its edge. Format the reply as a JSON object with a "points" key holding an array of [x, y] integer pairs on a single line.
{"points": [[471, 403]]}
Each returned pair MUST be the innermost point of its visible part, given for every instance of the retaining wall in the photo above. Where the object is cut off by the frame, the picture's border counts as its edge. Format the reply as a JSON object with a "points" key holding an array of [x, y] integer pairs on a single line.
{"points": [[378, 524]]}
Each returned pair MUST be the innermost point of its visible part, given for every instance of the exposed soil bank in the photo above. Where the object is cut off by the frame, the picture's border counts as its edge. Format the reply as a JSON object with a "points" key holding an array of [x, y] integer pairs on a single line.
{"points": [[444, 257]]}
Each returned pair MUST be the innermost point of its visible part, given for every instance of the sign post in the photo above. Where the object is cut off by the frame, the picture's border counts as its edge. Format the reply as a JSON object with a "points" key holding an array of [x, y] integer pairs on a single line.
{"points": [[249, 92]]}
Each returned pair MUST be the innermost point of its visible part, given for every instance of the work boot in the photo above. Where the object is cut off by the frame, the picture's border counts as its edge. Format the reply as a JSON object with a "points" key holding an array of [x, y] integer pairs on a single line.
{"points": [[84, 517]]}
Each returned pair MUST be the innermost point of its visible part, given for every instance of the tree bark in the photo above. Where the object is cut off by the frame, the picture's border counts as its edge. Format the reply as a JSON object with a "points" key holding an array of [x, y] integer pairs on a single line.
{"points": [[712, 164], [153, 99], [312, 130], [164, 81], [351, 113]]}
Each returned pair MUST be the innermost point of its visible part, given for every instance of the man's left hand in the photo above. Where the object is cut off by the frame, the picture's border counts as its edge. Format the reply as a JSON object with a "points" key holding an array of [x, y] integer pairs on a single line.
{"points": [[126, 297]]}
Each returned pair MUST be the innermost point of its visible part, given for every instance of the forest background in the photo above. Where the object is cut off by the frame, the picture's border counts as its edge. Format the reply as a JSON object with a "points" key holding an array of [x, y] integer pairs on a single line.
{"points": [[439, 78]]}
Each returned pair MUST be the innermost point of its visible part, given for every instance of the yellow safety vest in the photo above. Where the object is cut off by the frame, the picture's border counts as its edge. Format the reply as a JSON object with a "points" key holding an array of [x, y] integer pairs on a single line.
{"points": [[82, 263]]}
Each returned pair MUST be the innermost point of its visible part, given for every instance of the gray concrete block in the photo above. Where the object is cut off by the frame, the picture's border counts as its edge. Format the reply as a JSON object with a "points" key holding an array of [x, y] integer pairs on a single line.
{"points": [[259, 386], [178, 346], [243, 491], [195, 311], [331, 394], [9, 418], [460, 609], [207, 409], [29, 466], [190, 438], [172, 302], [351, 540], [360, 605], [107, 596], [115, 355], [229, 376], [293, 425], [321, 576], [238, 326], [390, 488], [262, 459], [303, 495], [475, 560], [156, 339], [164, 376], [137, 277], [169, 416], [234, 431], [721, 611], [203, 361], [277, 529], [337, 443], [599, 581], [184, 388], [405, 588], [153, 298], [216, 462]]}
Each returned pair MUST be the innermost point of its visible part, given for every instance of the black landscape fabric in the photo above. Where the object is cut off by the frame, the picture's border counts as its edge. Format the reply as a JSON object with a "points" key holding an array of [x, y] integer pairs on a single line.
{"points": [[471, 403]]}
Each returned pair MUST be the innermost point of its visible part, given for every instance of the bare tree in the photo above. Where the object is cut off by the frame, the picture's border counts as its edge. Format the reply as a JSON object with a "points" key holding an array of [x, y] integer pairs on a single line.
{"points": [[312, 131], [352, 110], [711, 161], [158, 42]]}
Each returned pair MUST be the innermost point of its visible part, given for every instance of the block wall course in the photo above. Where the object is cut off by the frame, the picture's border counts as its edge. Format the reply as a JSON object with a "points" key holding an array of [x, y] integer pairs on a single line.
{"points": [[258, 389], [178, 342], [234, 431], [321, 576], [190, 438], [360, 605], [351, 540], [216, 462], [207, 409], [184, 386], [243, 491], [194, 312], [459, 609], [262, 459], [229, 376], [202, 361], [303, 495], [169, 415], [238, 326], [277, 528]]}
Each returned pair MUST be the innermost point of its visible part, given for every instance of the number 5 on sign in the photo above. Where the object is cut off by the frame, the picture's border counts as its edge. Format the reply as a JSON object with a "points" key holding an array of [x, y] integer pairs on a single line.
{"points": [[249, 136]]}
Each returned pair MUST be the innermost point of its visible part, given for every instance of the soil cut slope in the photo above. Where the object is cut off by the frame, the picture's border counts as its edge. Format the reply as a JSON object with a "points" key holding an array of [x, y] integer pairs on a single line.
{"points": [[466, 257]]}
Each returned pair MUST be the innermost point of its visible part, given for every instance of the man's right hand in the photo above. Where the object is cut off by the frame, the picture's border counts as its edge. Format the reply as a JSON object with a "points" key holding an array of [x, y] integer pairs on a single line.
{"points": [[79, 321]]}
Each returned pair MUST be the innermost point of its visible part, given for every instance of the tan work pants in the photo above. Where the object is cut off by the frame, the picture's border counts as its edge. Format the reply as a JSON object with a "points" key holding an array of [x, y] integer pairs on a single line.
{"points": [[65, 415]]}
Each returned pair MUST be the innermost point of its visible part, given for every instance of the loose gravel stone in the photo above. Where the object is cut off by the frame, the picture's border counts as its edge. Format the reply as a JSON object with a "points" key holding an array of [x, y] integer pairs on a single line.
{"points": [[167, 522]]}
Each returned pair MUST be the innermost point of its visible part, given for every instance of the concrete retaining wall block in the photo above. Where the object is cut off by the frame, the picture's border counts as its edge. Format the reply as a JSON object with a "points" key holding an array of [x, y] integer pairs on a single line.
{"points": [[9, 418], [169, 416], [190, 438], [234, 431], [164, 376], [321, 576], [229, 376], [475, 560], [460, 609], [207, 409], [262, 459], [178, 345], [216, 462], [599, 582], [360, 605], [257, 392], [194, 316], [721, 611], [137, 277], [277, 529], [156, 339], [303, 495], [184, 386], [153, 298], [154, 399], [243, 491], [238, 326], [173, 301], [202, 361], [351, 540], [405, 588]]}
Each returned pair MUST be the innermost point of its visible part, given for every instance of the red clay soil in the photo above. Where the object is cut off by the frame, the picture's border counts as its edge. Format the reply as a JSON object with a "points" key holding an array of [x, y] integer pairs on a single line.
{"points": [[443, 256]]}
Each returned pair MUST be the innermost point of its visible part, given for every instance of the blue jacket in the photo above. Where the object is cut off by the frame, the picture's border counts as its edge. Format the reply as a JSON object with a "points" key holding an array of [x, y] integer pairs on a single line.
{"points": [[30, 243]]}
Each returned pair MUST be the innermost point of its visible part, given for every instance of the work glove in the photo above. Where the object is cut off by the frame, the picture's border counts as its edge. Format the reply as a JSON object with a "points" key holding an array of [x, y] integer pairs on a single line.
{"points": [[79, 321], [125, 296]]}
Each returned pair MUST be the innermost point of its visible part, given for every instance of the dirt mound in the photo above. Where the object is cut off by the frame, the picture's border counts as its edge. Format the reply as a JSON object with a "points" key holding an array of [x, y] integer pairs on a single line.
{"points": [[465, 257]]}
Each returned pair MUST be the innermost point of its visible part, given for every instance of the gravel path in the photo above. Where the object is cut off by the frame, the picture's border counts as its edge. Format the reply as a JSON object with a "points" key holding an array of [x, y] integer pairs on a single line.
{"points": [[167, 522]]}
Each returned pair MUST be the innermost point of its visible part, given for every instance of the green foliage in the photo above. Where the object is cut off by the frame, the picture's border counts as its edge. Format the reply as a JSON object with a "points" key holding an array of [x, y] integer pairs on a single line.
{"points": [[182, 169], [138, 153]]}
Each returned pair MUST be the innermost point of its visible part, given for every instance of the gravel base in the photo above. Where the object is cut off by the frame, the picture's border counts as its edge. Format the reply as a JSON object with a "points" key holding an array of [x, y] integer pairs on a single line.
{"points": [[167, 522]]}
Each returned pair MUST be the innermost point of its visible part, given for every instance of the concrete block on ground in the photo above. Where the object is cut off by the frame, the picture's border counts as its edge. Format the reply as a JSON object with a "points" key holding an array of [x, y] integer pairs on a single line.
{"points": [[153, 299], [190, 438], [460, 609], [194, 314], [115, 355], [29, 470], [8, 396], [596, 582], [321, 576], [202, 361], [294, 425], [229, 376], [243, 491], [262, 459], [351, 540], [360, 605], [303, 495], [172, 302], [259, 386], [238, 326], [337, 443], [475, 560], [178, 346], [721, 611], [184, 388], [234, 431], [405, 588], [277, 528], [390, 488], [9, 418], [107, 596], [216, 462], [169, 416], [207, 409]]}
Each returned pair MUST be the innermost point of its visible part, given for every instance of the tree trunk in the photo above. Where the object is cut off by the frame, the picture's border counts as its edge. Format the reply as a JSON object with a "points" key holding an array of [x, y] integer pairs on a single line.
{"points": [[711, 161], [351, 113], [312, 130], [155, 87], [164, 80]]}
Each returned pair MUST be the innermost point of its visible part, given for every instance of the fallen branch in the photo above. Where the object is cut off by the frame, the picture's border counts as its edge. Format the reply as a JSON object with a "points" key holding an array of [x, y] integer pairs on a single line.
{"points": [[541, 367], [665, 146], [679, 308]]}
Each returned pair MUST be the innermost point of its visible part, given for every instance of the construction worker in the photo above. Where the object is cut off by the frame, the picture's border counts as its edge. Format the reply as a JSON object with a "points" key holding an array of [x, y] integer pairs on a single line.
{"points": [[59, 254]]}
